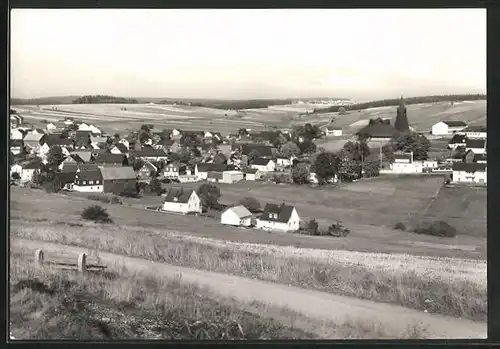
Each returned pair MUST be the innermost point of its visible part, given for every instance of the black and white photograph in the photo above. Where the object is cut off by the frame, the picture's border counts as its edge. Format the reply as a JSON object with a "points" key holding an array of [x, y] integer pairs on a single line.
{"points": [[247, 174]]}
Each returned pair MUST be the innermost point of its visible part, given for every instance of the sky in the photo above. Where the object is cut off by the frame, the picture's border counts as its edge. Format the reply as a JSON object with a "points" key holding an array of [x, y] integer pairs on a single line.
{"points": [[236, 54]]}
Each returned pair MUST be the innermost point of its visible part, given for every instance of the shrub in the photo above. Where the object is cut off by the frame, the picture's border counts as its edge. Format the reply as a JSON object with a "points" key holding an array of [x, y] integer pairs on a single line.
{"points": [[338, 230], [103, 199], [399, 226], [312, 227], [436, 228], [129, 193], [116, 200], [252, 204], [16, 176], [97, 214]]}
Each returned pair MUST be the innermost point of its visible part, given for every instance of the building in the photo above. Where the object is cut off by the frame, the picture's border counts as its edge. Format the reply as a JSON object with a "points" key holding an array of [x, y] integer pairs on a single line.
{"points": [[458, 140], [279, 217], [118, 179], [478, 146], [17, 134], [231, 176], [262, 150], [237, 216], [331, 131], [469, 173], [88, 181], [150, 154], [214, 176], [174, 170], [202, 170], [29, 171], [86, 156], [383, 132], [16, 120], [251, 174], [72, 159], [108, 159], [66, 178], [16, 146], [475, 132], [403, 163], [445, 128], [125, 142], [401, 124], [181, 200], [119, 148], [263, 164], [16, 168], [148, 170], [282, 161]]}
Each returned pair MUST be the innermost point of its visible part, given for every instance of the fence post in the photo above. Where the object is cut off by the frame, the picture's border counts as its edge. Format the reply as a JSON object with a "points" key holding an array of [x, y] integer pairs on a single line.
{"points": [[38, 257], [82, 262]]}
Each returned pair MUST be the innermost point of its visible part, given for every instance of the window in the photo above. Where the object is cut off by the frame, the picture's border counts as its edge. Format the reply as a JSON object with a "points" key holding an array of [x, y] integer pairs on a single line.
{"points": [[97, 182], [84, 182], [91, 182]]}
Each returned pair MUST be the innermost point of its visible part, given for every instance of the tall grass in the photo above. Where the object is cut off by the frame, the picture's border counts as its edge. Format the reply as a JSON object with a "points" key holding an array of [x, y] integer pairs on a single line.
{"points": [[54, 304], [455, 297]]}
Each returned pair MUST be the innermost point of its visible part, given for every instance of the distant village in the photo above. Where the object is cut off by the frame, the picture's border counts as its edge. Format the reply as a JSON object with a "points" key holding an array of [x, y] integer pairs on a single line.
{"points": [[78, 156]]}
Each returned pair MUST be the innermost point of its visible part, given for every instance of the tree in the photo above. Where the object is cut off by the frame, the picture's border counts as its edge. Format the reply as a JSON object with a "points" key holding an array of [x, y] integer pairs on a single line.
{"points": [[371, 168], [252, 204], [242, 132], [341, 110], [137, 164], [300, 173], [209, 195], [459, 153], [290, 149], [252, 155], [16, 176], [182, 155], [143, 136], [146, 128], [312, 227], [326, 166], [349, 169], [307, 146], [55, 156], [358, 150], [220, 159], [388, 152], [97, 214], [413, 142], [116, 136], [155, 186]]}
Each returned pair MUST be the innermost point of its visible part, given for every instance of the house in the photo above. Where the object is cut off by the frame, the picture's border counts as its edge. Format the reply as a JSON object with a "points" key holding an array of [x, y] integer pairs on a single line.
{"points": [[444, 128], [279, 217], [118, 179], [15, 120], [283, 161], [88, 181], [251, 174], [16, 168], [471, 157], [469, 173], [16, 146], [404, 163], [332, 131], [29, 171], [108, 159], [32, 141], [475, 132], [237, 216], [119, 148], [85, 127], [86, 156], [50, 126], [188, 178], [148, 170], [458, 140], [231, 176], [201, 170], [176, 134], [262, 150], [478, 146], [17, 134], [378, 132], [66, 178], [98, 140], [181, 200], [68, 121], [125, 142], [214, 176], [72, 159], [174, 170], [263, 164], [150, 154]]}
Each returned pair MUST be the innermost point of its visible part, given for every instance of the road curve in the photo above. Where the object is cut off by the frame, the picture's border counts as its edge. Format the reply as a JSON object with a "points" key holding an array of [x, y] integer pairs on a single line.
{"points": [[311, 303]]}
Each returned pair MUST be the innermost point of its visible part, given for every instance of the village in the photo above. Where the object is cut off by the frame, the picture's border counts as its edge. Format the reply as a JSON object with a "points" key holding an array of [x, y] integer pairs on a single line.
{"points": [[77, 156]]}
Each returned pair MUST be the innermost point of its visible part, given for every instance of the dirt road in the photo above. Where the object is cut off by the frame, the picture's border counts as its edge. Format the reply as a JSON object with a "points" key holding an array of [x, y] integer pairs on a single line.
{"points": [[314, 304]]}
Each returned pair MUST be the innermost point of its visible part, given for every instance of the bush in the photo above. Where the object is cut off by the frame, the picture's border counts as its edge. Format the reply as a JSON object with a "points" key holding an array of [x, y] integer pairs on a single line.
{"points": [[338, 230], [312, 227], [103, 199], [399, 226], [116, 200], [252, 204], [436, 228], [97, 214], [16, 176]]}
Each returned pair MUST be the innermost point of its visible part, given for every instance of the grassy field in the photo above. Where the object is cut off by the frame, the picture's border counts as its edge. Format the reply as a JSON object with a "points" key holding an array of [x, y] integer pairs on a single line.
{"points": [[38, 205], [446, 286]]}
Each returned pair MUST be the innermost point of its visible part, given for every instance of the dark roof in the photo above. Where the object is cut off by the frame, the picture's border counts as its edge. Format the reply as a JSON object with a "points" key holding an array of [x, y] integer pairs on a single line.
{"points": [[263, 150], [215, 174], [32, 166], [260, 161], [67, 176], [476, 129], [270, 136], [283, 211], [178, 195], [469, 167], [479, 157], [53, 139], [249, 170], [455, 123], [398, 155], [88, 167], [378, 131], [458, 139], [149, 152], [89, 175], [204, 167], [70, 168], [121, 147], [149, 166], [83, 134], [16, 143], [475, 143], [109, 158]]}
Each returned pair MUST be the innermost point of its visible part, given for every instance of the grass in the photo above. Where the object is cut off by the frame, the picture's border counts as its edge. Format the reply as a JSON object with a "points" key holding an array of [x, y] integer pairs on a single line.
{"points": [[448, 291], [48, 303]]}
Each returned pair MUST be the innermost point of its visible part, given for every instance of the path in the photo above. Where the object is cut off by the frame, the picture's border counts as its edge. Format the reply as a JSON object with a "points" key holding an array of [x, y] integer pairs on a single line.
{"points": [[314, 304]]}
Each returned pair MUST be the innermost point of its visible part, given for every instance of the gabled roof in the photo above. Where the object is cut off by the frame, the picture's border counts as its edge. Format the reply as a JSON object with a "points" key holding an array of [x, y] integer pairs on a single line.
{"points": [[149, 166], [455, 123], [179, 195], [16, 142], [84, 155], [88, 175], [215, 175], [284, 212], [378, 130], [76, 158], [33, 137], [402, 156], [260, 161], [480, 128], [67, 176], [116, 173], [469, 167], [121, 147], [475, 143], [57, 140], [149, 152], [109, 158], [32, 166], [88, 167], [249, 170], [206, 167], [263, 150], [240, 211], [457, 139], [479, 157]]}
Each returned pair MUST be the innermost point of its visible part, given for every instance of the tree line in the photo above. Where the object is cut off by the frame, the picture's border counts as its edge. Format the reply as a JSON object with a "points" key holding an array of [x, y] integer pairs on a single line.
{"points": [[228, 105], [96, 99], [410, 100]]}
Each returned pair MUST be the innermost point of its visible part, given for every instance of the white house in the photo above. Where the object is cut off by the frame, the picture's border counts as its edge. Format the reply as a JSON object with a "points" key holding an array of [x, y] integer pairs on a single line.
{"points": [[284, 161], [263, 165], [180, 200], [469, 173], [16, 134], [237, 215], [444, 128], [95, 129], [251, 174], [404, 163], [16, 168], [174, 170], [478, 146], [202, 170], [232, 176], [475, 132], [125, 142], [50, 126], [119, 149], [29, 171], [279, 217], [89, 181]]}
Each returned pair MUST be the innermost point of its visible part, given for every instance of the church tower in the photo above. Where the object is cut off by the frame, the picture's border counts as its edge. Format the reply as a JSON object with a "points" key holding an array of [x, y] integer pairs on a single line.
{"points": [[401, 123]]}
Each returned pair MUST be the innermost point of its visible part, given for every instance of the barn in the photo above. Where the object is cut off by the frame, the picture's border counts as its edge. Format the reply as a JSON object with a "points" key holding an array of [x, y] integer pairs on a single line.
{"points": [[117, 179]]}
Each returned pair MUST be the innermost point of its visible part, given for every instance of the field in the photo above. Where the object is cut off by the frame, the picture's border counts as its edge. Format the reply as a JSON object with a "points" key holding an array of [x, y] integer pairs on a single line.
{"points": [[364, 237]]}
